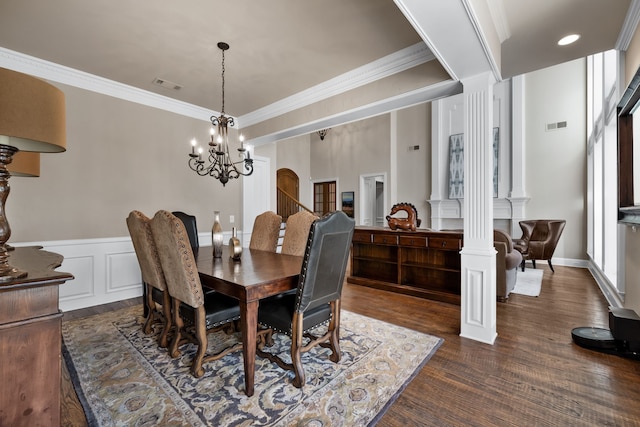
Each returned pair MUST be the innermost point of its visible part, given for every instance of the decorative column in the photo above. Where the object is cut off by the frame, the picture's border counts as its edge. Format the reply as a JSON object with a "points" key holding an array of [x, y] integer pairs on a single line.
{"points": [[518, 196], [478, 256]]}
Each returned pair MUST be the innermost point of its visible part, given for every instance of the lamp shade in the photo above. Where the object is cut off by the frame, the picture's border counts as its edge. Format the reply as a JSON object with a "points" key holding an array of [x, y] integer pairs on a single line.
{"points": [[25, 163], [32, 114]]}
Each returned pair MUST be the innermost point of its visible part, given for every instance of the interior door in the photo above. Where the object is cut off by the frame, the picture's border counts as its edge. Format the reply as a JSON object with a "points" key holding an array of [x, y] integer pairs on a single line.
{"points": [[372, 200]]}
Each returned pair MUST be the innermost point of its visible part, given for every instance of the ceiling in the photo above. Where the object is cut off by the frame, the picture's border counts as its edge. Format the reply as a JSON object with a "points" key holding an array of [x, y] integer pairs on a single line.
{"points": [[291, 50]]}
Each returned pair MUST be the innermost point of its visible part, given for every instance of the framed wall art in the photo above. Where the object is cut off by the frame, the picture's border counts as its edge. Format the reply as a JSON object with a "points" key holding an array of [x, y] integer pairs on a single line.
{"points": [[347, 203], [456, 164]]}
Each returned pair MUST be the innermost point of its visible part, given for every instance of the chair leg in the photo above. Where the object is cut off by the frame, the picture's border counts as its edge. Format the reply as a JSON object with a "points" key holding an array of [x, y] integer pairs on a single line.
{"points": [[334, 331], [296, 347], [522, 264], [149, 309], [163, 341], [533, 261], [178, 325], [551, 266], [201, 336]]}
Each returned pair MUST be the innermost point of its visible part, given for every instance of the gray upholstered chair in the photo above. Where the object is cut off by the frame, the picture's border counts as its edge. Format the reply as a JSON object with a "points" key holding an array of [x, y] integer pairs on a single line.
{"points": [[266, 231], [296, 233], [195, 313], [157, 301], [539, 239], [508, 260], [317, 300]]}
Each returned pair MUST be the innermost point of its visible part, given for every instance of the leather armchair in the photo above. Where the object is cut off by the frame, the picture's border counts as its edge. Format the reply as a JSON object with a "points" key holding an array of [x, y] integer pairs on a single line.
{"points": [[507, 261], [539, 239]]}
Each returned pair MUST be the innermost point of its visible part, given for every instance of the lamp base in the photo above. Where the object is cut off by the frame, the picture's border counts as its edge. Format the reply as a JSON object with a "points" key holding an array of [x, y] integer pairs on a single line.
{"points": [[7, 272]]}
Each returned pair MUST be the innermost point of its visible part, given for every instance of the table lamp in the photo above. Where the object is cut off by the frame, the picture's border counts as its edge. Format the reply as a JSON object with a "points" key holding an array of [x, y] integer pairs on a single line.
{"points": [[25, 163], [32, 119]]}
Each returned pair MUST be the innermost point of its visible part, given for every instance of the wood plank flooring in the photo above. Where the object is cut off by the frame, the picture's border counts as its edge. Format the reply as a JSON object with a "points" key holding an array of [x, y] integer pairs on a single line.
{"points": [[533, 376]]}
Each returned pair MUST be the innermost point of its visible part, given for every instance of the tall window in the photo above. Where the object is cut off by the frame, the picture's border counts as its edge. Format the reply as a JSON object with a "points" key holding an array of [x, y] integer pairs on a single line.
{"points": [[324, 197]]}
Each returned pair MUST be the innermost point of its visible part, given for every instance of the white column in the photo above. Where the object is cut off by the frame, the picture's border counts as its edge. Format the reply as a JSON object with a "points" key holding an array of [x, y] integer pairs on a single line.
{"points": [[478, 256], [518, 196]]}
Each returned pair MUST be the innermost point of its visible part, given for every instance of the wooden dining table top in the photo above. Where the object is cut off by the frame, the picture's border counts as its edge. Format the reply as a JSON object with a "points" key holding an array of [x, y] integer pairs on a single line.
{"points": [[258, 274]]}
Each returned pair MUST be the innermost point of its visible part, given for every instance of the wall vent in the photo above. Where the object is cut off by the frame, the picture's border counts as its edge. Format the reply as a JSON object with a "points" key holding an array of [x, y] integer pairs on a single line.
{"points": [[414, 147], [166, 84], [556, 125]]}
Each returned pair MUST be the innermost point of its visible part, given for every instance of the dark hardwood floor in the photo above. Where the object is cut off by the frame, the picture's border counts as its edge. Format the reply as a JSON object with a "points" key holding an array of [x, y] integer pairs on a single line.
{"points": [[532, 376]]}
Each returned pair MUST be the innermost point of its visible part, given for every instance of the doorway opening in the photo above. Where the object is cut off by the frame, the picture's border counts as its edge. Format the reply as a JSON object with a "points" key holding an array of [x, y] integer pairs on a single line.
{"points": [[372, 199]]}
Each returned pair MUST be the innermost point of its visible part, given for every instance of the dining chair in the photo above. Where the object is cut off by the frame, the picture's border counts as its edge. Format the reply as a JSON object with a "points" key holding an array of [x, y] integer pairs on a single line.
{"points": [[195, 313], [296, 233], [191, 226], [317, 300], [266, 231], [139, 226]]}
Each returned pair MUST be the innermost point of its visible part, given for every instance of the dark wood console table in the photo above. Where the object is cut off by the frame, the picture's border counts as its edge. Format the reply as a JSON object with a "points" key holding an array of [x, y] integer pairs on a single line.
{"points": [[30, 340], [422, 263]]}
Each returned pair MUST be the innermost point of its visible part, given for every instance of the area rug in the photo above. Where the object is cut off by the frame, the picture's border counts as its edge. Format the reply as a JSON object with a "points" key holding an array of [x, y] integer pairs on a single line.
{"points": [[528, 282], [123, 378]]}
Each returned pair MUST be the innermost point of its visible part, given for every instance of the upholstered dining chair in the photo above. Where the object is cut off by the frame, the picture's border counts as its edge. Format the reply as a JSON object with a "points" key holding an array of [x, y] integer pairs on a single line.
{"points": [[266, 231], [296, 233], [191, 226], [317, 300], [195, 313], [139, 226], [539, 240]]}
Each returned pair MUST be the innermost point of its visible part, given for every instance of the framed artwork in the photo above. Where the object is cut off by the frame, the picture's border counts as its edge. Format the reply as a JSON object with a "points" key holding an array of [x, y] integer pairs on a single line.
{"points": [[347, 203], [456, 164]]}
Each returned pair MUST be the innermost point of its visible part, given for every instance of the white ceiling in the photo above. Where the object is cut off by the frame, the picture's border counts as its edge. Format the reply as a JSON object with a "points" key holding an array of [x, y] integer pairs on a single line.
{"points": [[280, 48]]}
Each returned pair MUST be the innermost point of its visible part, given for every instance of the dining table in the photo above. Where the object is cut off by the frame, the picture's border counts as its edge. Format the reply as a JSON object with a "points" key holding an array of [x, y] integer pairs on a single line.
{"points": [[254, 276]]}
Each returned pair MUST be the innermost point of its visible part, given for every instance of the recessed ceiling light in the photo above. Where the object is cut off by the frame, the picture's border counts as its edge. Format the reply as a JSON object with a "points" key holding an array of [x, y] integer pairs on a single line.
{"points": [[568, 39]]}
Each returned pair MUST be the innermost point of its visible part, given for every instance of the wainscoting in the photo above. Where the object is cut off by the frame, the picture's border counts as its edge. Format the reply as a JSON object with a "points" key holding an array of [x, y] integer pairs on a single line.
{"points": [[105, 270]]}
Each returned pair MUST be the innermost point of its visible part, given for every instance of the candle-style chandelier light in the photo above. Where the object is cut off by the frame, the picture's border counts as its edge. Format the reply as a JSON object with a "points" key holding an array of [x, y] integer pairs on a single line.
{"points": [[219, 164]]}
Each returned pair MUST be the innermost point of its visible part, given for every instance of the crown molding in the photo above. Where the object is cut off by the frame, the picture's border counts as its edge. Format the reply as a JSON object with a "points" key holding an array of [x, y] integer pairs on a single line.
{"points": [[499, 17], [396, 62], [57, 73], [629, 26], [418, 96]]}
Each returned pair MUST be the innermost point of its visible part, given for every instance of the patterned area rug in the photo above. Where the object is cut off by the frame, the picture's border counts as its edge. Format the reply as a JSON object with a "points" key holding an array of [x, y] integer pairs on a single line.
{"points": [[124, 379]]}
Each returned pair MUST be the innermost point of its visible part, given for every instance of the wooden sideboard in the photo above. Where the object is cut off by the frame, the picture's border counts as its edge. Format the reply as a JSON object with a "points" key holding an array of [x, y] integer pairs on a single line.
{"points": [[422, 263], [30, 340]]}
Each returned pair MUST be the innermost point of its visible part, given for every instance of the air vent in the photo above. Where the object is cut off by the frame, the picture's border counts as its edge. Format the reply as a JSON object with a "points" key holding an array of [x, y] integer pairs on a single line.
{"points": [[414, 147], [556, 125], [166, 84]]}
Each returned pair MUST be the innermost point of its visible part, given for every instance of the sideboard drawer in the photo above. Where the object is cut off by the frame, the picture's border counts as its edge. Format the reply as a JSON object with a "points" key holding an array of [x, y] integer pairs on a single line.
{"points": [[385, 239], [444, 243], [413, 241], [362, 237]]}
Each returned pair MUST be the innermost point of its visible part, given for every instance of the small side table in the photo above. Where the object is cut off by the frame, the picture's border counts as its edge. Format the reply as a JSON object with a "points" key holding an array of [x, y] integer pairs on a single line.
{"points": [[30, 340]]}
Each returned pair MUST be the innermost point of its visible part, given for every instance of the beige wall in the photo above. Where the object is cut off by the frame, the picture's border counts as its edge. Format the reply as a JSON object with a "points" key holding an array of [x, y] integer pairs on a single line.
{"points": [[632, 58], [414, 170], [120, 156], [294, 154], [351, 150], [556, 160]]}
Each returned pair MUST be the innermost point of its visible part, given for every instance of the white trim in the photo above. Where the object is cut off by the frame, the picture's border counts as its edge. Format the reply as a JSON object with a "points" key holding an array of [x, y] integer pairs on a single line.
{"points": [[418, 96], [495, 68], [389, 65], [60, 74], [629, 26]]}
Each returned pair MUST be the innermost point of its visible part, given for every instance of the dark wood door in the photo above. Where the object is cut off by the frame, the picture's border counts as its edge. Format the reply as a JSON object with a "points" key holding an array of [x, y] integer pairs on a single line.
{"points": [[288, 182]]}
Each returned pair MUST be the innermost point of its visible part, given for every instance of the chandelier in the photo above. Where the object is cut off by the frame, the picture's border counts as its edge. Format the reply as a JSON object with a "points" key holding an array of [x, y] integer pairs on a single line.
{"points": [[218, 163]]}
